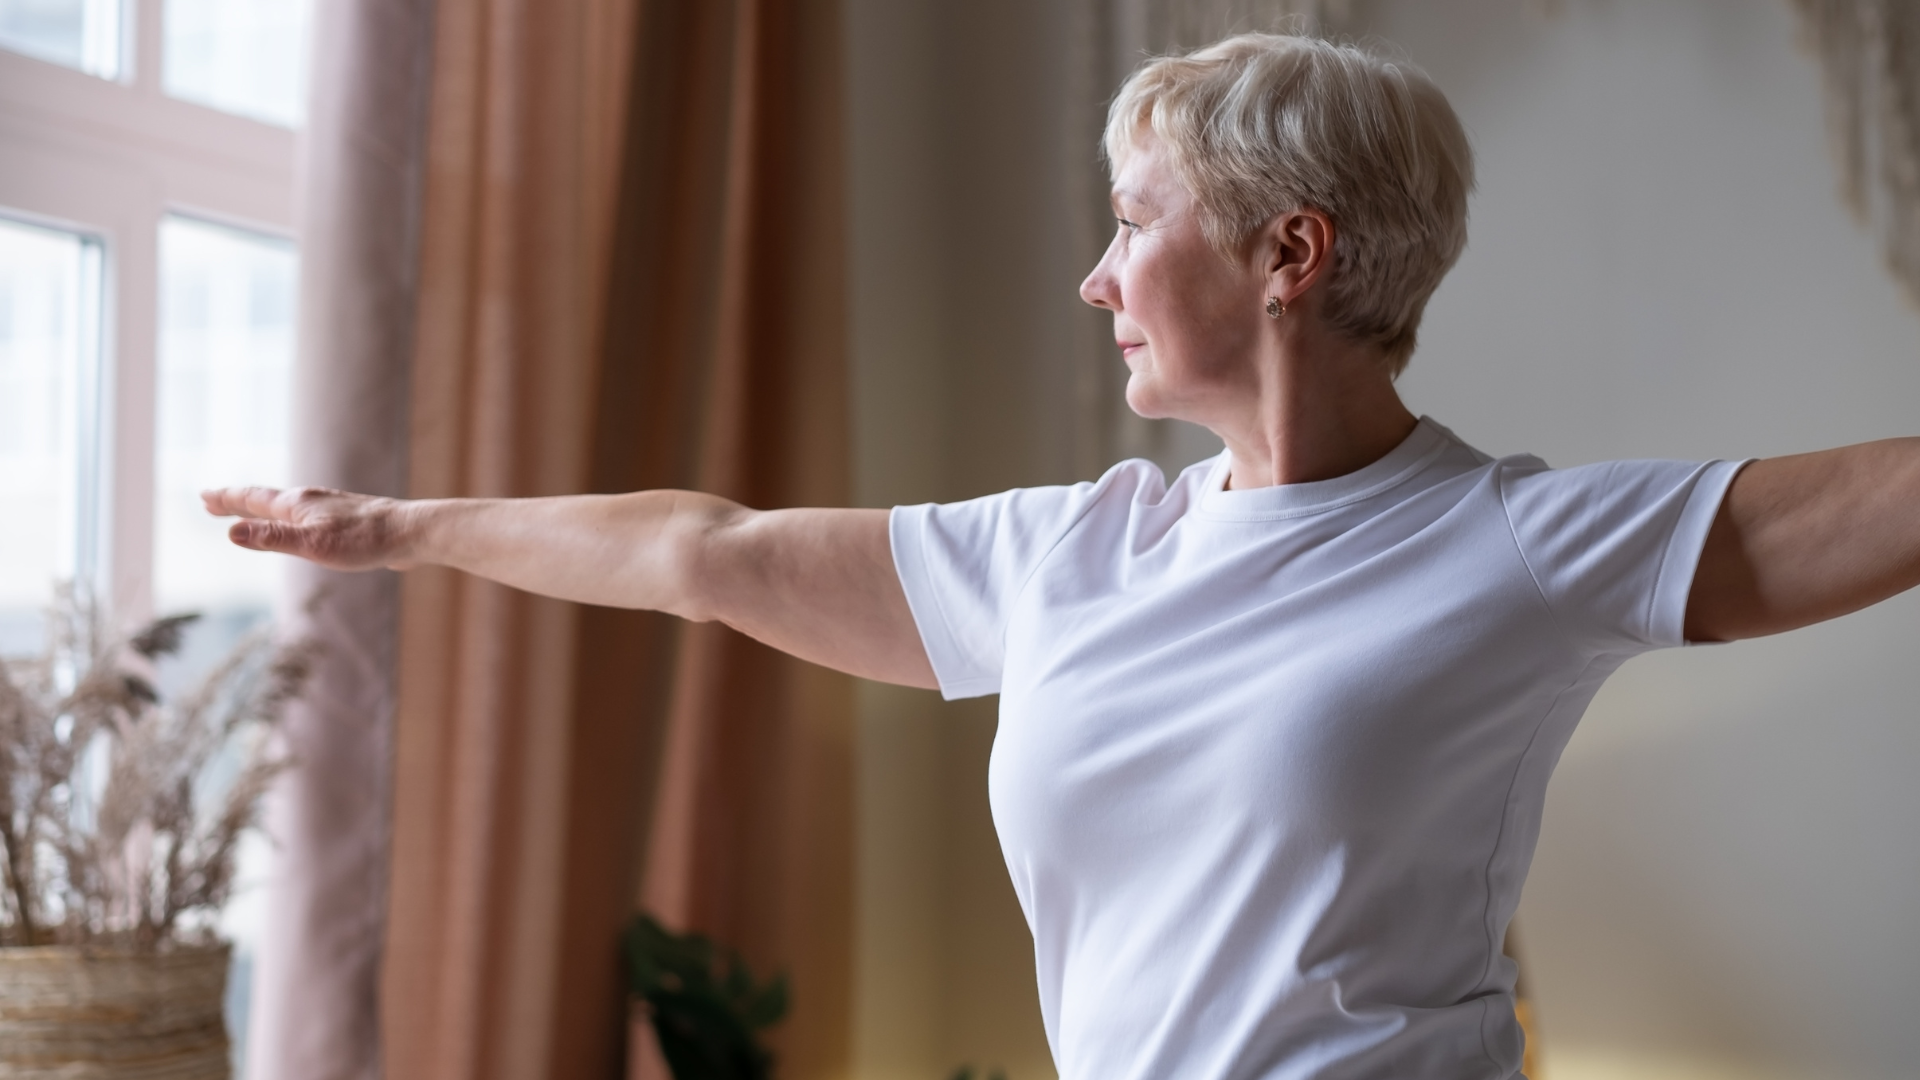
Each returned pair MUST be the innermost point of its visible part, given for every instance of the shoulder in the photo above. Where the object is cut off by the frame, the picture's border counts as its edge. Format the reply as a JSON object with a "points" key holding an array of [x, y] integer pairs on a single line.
{"points": [[1020, 525], [1530, 485], [1129, 483]]}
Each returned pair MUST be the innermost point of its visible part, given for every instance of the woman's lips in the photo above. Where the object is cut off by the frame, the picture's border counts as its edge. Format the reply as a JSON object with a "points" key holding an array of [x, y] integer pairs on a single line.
{"points": [[1127, 347]]}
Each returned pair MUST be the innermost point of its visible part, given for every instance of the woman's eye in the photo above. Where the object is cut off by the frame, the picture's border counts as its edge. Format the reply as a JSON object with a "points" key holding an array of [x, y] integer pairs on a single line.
{"points": [[1128, 225]]}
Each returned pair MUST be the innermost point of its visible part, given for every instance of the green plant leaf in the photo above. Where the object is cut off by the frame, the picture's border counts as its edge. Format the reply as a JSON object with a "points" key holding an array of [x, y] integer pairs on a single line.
{"points": [[767, 1007], [704, 1002]]}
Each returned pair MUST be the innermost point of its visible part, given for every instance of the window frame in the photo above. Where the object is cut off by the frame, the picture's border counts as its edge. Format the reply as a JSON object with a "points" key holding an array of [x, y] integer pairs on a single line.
{"points": [[109, 159]]}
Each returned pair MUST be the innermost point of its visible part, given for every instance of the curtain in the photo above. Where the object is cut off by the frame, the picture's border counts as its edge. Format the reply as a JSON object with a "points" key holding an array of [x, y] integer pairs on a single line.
{"points": [[313, 1009], [630, 277], [490, 889], [753, 831]]}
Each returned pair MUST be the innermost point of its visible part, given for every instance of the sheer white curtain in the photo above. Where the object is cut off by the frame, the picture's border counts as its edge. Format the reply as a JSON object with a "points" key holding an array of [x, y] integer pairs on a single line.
{"points": [[315, 1005]]}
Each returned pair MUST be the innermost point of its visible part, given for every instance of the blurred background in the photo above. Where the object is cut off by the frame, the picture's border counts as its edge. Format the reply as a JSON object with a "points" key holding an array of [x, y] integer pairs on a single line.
{"points": [[147, 320], [828, 252]]}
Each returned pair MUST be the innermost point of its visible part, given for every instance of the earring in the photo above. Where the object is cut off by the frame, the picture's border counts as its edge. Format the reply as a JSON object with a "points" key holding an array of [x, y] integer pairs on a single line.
{"points": [[1275, 308]]}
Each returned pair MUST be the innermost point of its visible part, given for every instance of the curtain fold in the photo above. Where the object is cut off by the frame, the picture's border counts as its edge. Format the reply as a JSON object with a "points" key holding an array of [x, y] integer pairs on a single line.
{"points": [[753, 830], [486, 889], [630, 278], [313, 1011]]}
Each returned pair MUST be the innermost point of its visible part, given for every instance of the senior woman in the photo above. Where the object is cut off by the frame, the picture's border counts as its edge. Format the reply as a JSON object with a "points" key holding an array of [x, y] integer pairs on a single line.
{"points": [[1274, 737]]}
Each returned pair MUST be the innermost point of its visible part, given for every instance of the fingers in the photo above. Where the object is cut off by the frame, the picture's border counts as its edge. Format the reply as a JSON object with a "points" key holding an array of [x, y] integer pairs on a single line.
{"points": [[336, 529], [253, 502], [262, 535]]}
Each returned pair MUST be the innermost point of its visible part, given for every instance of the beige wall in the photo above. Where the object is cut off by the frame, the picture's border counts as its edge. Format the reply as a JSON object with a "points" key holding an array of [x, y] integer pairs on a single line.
{"points": [[955, 306], [1729, 879]]}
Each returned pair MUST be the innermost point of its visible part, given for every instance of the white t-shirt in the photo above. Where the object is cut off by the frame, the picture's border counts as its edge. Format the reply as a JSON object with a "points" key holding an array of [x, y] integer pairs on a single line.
{"points": [[1271, 763]]}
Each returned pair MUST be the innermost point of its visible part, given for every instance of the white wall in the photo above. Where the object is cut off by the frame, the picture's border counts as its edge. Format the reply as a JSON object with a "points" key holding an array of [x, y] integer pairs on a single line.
{"points": [[1729, 879]]}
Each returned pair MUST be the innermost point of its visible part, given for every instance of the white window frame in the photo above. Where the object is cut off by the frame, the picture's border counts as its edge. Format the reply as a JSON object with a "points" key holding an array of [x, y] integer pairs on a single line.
{"points": [[109, 159]]}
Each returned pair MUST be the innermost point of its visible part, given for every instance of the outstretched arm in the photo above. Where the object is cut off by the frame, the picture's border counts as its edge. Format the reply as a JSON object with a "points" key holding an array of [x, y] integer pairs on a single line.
{"points": [[1807, 538], [819, 584]]}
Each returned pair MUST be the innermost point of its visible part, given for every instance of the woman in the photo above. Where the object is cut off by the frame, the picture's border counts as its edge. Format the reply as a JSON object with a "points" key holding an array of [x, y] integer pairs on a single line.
{"points": [[1275, 737]]}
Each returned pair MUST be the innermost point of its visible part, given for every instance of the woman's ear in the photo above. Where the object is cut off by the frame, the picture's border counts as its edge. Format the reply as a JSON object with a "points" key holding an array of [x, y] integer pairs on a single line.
{"points": [[1298, 251]]}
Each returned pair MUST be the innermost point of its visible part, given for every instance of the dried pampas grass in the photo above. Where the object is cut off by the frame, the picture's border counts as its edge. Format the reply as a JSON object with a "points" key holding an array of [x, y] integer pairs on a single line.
{"points": [[121, 813], [1869, 53]]}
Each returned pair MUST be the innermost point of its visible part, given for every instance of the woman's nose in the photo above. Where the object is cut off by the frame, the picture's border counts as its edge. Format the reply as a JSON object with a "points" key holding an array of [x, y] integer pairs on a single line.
{"points": [[1099, 288], [1102, 287]]}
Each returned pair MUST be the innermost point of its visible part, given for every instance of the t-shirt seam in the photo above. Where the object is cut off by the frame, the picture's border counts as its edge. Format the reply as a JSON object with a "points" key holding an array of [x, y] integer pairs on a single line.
{"points": [[1520, 550], [1100, 487], [1655, 594], [1494, 949], [946, 621], [1419, 465], [1660, 569], [1647, 628]]}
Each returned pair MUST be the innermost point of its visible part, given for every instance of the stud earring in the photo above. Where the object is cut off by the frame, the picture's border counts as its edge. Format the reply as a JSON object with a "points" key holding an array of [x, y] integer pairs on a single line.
{"points": [[1275, 308]]}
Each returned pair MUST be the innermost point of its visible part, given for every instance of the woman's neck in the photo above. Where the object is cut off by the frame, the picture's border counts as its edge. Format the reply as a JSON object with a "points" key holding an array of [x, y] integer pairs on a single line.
{"points": [[1325, 407]]}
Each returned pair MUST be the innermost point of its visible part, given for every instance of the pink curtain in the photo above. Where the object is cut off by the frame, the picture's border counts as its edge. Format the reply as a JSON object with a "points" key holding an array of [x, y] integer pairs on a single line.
{"points": [[498, 735], [752, 833], [574, 245], [631, 277]]}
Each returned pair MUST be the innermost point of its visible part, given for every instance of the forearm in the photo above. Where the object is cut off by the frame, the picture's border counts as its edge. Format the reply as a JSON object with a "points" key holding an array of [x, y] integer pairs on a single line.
{"points": [[640, 550]]}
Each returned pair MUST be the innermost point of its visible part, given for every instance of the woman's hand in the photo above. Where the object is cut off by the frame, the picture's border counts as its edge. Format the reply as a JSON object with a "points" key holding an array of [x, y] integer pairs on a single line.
{"points": [[336, 529]]}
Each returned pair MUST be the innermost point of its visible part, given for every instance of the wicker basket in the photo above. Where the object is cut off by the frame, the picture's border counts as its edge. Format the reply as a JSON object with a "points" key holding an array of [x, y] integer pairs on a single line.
{"points": [[95, 1014]]}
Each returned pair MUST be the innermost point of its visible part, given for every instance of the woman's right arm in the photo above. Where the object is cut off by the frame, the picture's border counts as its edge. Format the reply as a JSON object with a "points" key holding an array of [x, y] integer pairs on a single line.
{"points": [[819, 584]]}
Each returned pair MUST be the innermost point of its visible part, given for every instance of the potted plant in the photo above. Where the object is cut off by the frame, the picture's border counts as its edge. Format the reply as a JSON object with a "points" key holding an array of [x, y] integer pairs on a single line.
{"points": [[705, 1007], [120, 816]]}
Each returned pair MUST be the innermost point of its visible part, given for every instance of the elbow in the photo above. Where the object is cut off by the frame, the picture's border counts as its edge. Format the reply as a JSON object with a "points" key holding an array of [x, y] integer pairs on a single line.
{"points": [[702, 560]]}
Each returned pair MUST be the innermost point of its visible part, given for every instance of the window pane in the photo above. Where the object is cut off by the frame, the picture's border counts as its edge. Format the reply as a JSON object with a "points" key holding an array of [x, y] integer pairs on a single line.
{"points": [[240, 56], [49, 359], [226, 356], [84, 34], [225, 367]]}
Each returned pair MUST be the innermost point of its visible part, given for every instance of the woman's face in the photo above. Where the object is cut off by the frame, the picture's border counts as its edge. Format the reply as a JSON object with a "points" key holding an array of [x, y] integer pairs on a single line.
{"points": [[1187, 321]]}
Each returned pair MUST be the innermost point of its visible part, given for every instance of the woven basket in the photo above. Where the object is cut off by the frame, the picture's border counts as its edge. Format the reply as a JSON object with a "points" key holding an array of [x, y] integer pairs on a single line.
{"points": [[96, 1014]]}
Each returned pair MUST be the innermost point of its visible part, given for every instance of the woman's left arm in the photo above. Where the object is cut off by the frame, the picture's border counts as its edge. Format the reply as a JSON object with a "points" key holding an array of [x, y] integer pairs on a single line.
{"points": [[1807, 538]]}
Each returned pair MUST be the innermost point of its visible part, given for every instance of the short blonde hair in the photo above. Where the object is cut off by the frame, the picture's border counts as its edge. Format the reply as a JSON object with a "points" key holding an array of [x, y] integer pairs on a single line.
{"points": [[1260, 124]]}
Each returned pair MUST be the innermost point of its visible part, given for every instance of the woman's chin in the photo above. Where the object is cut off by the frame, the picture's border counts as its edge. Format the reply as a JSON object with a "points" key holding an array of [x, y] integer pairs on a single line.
{"points": [[1142, 399]]}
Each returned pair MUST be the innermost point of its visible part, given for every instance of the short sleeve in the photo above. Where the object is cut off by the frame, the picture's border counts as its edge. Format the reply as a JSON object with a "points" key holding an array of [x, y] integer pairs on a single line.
{"points": [[1613, 546], [963, 564]]}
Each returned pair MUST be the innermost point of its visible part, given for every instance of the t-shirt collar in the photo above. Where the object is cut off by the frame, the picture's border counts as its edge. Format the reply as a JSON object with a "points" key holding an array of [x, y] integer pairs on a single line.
{"points": [[1400, 464]]}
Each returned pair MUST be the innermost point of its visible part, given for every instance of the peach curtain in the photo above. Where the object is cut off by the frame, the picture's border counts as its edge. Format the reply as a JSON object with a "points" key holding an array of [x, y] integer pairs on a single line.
{"points": [[630, 277], [752, 834]]}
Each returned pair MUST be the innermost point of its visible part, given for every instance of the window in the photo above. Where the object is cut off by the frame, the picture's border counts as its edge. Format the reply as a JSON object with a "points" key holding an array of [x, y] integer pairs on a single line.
{"points": [[81, 34], [147, 313], [49, 364], [242, 56], [225, 363]]}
